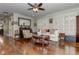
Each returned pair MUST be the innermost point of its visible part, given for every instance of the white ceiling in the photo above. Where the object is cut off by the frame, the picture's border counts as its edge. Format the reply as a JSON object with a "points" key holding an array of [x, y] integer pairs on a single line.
{"points": [[22, 8]]}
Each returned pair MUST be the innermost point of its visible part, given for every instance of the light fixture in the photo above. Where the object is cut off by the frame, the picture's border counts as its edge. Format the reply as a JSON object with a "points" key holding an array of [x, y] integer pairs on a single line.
{"points": [[35, 9]]}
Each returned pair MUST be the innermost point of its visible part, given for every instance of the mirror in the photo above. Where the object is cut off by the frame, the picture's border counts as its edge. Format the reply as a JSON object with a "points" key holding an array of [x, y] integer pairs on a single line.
{"points": [[24, 22]]}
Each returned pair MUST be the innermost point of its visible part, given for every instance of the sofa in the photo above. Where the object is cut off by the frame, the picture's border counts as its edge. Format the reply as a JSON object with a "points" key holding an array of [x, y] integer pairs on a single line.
{"points": [[52, 33]]}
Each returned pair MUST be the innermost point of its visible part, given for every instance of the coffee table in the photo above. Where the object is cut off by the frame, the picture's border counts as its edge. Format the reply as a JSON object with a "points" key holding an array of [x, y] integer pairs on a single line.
{"points": [[42, 39]]}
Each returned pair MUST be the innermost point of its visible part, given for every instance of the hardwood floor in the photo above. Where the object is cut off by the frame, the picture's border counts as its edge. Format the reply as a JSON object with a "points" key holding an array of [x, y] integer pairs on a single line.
{"points": [[27, 47]]}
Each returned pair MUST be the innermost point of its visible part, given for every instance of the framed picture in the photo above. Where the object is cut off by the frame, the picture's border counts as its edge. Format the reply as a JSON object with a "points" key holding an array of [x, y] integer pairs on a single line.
{"points": [[24, 21], [50, 20], [35, 24]]}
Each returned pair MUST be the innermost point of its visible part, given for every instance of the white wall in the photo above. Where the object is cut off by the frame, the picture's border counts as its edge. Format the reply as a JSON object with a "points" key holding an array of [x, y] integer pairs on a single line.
{"points": [[65, 21], [11, 26]]}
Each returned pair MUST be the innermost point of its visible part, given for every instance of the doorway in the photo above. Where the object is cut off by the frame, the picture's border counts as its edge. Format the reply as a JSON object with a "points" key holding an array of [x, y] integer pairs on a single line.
{"points": [[1, 27], [77, 29], [4, 26]]}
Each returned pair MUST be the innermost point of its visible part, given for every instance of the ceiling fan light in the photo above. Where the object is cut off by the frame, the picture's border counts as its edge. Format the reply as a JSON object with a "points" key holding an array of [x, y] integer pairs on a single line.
{"points": [[35, 9]]}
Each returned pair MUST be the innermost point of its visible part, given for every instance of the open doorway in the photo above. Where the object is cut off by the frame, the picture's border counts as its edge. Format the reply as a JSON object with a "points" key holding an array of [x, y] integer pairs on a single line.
{"points": [[77, 29], [1, 27], [4, 25]]}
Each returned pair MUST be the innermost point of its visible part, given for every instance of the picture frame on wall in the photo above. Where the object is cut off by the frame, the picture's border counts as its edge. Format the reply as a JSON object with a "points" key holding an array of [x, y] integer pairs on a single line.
{"points": [[24, 22], [35, 24], [50, 20]]}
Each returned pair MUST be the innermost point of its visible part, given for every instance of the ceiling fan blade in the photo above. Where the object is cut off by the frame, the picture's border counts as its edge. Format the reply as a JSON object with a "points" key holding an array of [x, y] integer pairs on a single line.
{"points": [[30, 8], [30, 4], [41, 9], [40, 5]]}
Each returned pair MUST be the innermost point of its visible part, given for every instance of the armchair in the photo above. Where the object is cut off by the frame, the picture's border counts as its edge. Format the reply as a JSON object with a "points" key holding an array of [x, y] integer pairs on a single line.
{"points": [[27, 34]]}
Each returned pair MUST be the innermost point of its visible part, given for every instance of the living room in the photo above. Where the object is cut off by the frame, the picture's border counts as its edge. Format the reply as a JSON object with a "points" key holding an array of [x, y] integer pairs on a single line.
{"points": [[49, 31]]}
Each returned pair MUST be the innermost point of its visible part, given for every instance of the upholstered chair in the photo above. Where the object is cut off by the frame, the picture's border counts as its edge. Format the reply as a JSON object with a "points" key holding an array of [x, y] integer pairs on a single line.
{"points": [[27, 34]]}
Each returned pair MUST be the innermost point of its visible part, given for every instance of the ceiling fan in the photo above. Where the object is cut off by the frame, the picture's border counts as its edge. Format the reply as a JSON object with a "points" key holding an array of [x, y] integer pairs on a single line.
{"points": [[36, 7]]}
